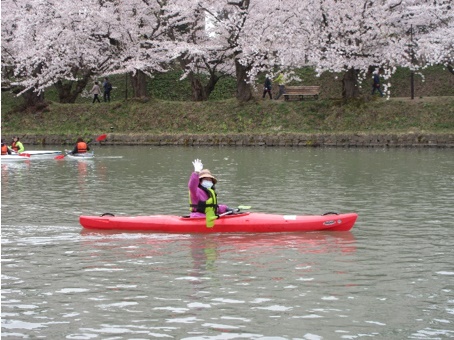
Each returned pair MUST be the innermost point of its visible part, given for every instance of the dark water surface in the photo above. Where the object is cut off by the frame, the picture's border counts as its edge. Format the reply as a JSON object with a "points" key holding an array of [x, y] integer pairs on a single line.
{"points": [[391, 277]]}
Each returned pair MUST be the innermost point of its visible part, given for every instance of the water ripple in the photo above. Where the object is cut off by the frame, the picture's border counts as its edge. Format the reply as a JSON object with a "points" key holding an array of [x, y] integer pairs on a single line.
{"points": [[391, 277]]}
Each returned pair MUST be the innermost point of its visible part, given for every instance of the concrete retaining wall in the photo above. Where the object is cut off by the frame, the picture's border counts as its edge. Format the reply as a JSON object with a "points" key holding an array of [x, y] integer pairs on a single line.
{"points": [[288, 140]]}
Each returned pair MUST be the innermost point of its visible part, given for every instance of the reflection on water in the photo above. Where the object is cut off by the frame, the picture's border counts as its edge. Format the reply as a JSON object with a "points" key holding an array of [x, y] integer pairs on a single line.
{"points": [[390, 277], [206, 249]]}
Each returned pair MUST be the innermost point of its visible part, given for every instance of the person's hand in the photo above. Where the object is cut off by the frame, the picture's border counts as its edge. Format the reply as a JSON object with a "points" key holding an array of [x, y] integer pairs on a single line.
{"points": [[232, 210], [198, 166]]}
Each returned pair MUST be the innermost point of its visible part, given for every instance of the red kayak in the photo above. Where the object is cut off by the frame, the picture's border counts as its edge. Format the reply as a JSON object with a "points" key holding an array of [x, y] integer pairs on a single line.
{"points": [[236, 223]]}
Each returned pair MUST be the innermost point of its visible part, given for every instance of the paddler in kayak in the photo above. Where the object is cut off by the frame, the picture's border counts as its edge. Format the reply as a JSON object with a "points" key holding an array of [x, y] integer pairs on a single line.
{"points": [[202, 194], [80, 147], [17, 145], [5, 149]]}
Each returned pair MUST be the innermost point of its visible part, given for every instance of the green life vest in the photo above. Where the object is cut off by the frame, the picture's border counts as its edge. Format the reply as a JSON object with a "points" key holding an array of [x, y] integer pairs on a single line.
{"points": [[210, 206]]}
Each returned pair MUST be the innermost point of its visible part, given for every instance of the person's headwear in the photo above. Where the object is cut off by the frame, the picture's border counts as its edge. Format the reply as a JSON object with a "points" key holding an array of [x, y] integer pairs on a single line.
{"points": [[205, 173]]}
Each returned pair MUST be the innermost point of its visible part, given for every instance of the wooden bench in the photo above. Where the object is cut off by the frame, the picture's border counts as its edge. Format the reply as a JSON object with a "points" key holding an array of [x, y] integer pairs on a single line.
{"points": [[301, 91]]}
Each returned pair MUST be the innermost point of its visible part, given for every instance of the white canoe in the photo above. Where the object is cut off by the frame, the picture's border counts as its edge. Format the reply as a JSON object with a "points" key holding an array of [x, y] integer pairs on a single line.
{"points": [[43, 154], [14, 158]]}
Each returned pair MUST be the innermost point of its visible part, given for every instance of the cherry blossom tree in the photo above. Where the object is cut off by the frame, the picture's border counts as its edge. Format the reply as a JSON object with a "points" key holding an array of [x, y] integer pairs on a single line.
{"points": [[53, 43], [250, 34], [354, 36], [437, 47], [65, 43], [145, 46], [201, 62]]}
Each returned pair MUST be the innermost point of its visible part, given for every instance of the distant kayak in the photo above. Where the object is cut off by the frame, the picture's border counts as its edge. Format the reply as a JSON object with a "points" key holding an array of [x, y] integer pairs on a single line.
{"points": [[43, 154], [236, 223], [14, 158]]}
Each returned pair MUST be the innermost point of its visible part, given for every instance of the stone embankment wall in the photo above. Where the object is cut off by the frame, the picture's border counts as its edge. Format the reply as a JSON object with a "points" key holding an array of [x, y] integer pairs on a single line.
{"points": [[288, 140]]}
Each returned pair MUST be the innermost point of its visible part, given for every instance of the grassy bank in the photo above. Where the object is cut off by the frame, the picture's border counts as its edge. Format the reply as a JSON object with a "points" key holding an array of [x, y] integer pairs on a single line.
{"points": [[430, 115], [170, 111]]}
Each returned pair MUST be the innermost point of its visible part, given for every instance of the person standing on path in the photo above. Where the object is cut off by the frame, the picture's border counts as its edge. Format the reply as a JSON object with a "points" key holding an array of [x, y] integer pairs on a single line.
{"points": [[107, 88], [96, 91], [376, 84], [267, 87], [280, 80]]}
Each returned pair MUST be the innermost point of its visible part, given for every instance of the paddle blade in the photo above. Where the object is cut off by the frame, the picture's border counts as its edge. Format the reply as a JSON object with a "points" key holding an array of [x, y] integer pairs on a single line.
{"points": [[244, 207], [210, 218], [59, 157], [101, 138]]}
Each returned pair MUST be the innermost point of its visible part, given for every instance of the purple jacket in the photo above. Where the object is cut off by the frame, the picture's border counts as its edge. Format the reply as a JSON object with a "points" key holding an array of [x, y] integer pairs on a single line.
{"points": [[198, 194]]}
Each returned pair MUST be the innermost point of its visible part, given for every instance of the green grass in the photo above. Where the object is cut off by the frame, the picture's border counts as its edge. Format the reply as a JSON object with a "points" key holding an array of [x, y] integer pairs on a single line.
{"points": [[228, 116], [170, 110]]}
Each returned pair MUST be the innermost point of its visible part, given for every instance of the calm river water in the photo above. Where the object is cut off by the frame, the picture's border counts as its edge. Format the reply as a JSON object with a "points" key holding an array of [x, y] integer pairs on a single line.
{"points": [[391, 277]]}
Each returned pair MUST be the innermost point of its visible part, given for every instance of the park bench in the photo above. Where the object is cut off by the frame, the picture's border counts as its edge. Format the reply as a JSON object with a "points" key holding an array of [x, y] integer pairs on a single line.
{"points": [[299, 92]]}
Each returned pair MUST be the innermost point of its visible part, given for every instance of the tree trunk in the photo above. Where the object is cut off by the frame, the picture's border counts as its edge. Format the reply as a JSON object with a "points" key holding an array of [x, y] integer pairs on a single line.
{"points": [[450, 68], [66, 94], [33, 100], [64, 91], [139, 85], [350, 88], [202, 92], [209, 87], [198, 90], [243, 88]]}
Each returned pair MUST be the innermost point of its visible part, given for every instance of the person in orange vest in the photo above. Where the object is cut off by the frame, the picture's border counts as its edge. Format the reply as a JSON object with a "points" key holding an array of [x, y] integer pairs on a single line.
{"points": [[5, 149], [80, 147], [17, 145]]}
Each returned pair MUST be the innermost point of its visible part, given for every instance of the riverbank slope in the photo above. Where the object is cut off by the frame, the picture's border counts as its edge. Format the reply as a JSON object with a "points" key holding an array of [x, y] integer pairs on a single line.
{"points": [[427, 121]]}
